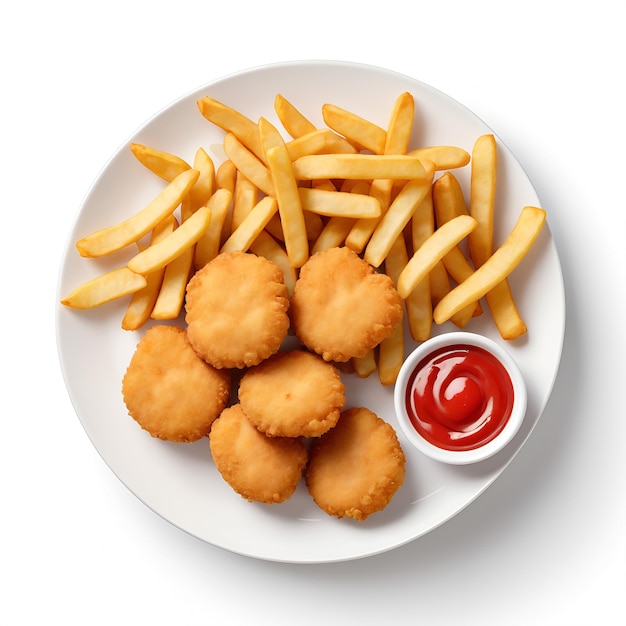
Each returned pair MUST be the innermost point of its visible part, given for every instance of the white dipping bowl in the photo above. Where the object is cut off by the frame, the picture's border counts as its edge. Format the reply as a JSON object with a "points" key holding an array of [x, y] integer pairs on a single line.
{"points": [[475, 454]]}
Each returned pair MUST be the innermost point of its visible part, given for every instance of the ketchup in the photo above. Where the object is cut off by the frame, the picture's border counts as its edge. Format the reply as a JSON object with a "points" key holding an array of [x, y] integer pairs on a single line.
{"points": [[459, 397]]}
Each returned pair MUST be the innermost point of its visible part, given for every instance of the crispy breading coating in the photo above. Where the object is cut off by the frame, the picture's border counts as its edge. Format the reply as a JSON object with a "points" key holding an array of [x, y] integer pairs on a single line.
{"points": [[257, 467], [169, 390], [341, 307], [236, 310], [292, 394], [356, 468]]}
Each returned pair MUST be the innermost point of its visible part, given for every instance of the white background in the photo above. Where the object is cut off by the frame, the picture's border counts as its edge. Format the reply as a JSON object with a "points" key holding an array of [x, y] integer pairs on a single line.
{"points": [[546, 544]]}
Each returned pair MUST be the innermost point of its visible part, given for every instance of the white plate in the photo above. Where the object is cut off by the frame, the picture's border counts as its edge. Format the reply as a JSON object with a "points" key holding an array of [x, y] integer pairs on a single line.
{"points": [[179, 481]]}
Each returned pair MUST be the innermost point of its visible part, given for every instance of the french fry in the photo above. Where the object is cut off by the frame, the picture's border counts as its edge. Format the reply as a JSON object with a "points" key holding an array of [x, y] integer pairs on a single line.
{"points": [[226, 176], [232, 121], [482, 206], [320, 141], [432, 251], [357, 166], [251, 225], [120, 235], [270, 136], [338, 203], [205, 185], [365, 366], [291, 118], [246, 162], [400, 127], [245, 198], [443, 157], [482, 198], [448, 200], [393, 222], [497, 267], [171, 298], [355, 128], [142, 302], [333, 234], [105, 288], [160, 254], [289, 206], [207, 247], [418, 303], [391, 350], [504, 311], [165, 165]]}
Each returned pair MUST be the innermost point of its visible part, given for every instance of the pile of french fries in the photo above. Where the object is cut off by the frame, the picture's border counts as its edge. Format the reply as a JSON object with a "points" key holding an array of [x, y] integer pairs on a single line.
{"points": [[349, 183]]}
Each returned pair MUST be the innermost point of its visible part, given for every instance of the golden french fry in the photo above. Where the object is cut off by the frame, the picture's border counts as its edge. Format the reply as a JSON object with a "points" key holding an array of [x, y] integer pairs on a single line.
{"points": [[366, 365], [289, 206], [141, 304], [449, 203], [338, 203], [393, 222], [432, 251], [291, 118], [232, 121], [226, 176], [205, 185], [333, 234], [251, 225], [247, 163], [165, 251], [104, 288], [135, 227], [391, 355], [400, 128], [171, 296], [443, 157], [355, 128], [448, 200], [165, 165], [418, 303], [497, 267], [504, 311], [244, 200], [264, 245], [482, 206], [391, 350], [207, 247], [270, 136], [358, 166], [320, 141], [482, 198]]}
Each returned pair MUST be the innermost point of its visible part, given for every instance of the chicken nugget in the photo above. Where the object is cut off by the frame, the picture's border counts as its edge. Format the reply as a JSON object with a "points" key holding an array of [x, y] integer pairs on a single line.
{"points": [[292, 394], [341, 307], [355, 469], [169, 390], [236, 310], [257, 467]]}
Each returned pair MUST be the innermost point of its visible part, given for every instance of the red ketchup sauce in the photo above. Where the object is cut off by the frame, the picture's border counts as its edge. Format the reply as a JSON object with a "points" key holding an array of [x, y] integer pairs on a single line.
{"points": [[459, 397]]}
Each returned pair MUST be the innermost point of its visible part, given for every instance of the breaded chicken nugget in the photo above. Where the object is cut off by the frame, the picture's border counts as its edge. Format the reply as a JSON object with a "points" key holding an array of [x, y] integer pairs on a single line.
{"points": [[257, 467], [292, 394], [169, 390], [341, 307], [236, 310], [356, 468]]}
